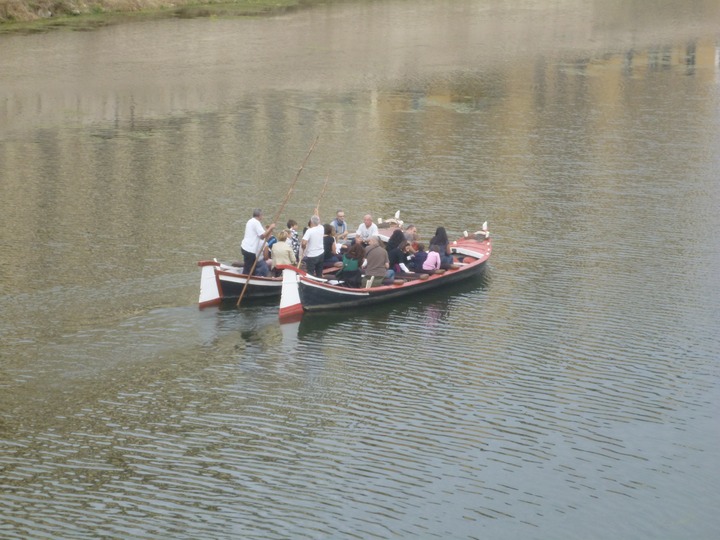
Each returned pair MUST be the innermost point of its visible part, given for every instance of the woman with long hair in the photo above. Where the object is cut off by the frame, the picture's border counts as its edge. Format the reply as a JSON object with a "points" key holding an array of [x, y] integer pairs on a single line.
{"points": [[352, 261], [443, 244], [398, 250]]}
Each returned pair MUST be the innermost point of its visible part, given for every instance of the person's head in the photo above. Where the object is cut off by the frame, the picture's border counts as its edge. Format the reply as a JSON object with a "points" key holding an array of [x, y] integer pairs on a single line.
{"points": [[367, 220], [257, 213], [410, 228], [314, 221], [291, 224], [282, 236], [356, 251], [434, 247], [421, 247], [373, 241], [441, 236], [340, 216], [396, 238], [328, 229]]}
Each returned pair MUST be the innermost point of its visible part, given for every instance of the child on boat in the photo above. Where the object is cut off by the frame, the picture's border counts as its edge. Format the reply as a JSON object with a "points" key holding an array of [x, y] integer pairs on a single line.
{"points": [[432, 261], [417, 260]]}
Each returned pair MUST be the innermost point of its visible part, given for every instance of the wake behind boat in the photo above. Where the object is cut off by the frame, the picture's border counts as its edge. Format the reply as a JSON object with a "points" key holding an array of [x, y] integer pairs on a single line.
{"points": [[305, 293]]}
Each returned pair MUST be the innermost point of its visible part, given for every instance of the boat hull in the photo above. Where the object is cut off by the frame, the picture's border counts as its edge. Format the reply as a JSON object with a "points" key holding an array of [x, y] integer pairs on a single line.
{"points": [[303, 293], [321, 297], [221, 282]]}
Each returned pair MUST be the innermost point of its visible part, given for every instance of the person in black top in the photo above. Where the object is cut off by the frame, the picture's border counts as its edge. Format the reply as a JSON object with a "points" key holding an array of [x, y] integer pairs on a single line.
{"points": [[330, 247]]}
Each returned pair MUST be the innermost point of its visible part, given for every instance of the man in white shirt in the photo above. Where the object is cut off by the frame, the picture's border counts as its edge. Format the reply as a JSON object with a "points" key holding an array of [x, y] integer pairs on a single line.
{"points": [[251, 246], [366, 229], [312, 244]]}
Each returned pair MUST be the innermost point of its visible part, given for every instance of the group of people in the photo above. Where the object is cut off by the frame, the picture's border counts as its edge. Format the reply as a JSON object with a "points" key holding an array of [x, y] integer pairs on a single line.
{"points": [[362, 260]]}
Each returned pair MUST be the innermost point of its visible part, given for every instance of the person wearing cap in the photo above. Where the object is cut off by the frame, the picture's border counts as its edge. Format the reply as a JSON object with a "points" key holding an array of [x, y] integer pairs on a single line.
{"points": [[251, 246]]}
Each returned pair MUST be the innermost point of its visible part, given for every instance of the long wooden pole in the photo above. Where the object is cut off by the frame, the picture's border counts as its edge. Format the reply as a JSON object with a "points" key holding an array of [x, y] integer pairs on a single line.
{"points": [[317, 209], [322, 193], [277, 216]]}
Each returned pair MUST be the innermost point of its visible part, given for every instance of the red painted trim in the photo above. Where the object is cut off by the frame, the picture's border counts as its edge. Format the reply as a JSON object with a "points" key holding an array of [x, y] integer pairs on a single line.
{"points": [[209, 303], [208, 263], [218, 284], [290, 313], [291, 267]]}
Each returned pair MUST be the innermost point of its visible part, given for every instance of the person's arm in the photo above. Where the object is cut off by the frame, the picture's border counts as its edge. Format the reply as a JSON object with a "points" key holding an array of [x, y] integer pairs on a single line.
{"points": [[268, 231], [304, 241]]}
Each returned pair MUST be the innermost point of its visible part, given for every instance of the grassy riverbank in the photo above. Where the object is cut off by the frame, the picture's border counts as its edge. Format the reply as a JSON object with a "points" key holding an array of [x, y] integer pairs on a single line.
{"points": [[43, 15]]}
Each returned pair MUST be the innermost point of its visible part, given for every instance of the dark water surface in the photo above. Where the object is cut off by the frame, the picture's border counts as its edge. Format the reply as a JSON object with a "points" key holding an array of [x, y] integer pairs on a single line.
{"points": [[571, 392]]}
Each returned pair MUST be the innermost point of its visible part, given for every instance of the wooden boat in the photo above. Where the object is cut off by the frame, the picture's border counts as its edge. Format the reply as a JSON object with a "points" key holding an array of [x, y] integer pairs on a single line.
{"points": [[220, 282], [304, 293]]}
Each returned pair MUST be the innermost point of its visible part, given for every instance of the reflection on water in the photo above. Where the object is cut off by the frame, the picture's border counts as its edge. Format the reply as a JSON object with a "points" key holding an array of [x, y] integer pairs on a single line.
{"points": [[567, 393], [425, 312]]}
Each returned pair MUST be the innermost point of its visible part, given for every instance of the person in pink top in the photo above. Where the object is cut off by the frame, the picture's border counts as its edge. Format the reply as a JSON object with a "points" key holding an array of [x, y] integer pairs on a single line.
{"points": [[432, 263]]}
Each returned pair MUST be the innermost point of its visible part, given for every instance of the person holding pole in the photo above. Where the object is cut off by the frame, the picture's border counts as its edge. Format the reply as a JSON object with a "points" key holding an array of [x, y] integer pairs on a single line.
{"points": [[312, 245], [277, 216], [252, 244]]}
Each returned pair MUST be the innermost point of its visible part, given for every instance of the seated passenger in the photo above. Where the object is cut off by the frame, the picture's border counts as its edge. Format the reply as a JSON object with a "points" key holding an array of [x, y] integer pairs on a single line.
{"points": [[397, 248], [366, 230], [411, 235], [417, 260], [352, 261], [441, 241], [329, 247], [378, 264], [432, 262], [282, 252], [340, 228]]}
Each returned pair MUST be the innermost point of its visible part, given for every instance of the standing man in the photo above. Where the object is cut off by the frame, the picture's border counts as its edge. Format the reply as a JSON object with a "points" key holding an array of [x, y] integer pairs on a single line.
{"points": [[339, 226], [313, 247], [252, 243], [366, 230]]}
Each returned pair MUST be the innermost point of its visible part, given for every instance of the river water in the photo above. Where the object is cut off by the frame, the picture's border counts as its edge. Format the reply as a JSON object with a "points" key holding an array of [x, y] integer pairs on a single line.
{"points": [[571, 392]]}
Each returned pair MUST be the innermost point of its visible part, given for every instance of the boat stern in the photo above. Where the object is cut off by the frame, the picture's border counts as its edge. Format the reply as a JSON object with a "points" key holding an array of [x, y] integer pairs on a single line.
{"points": [[209, 289], [290, 306]]}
